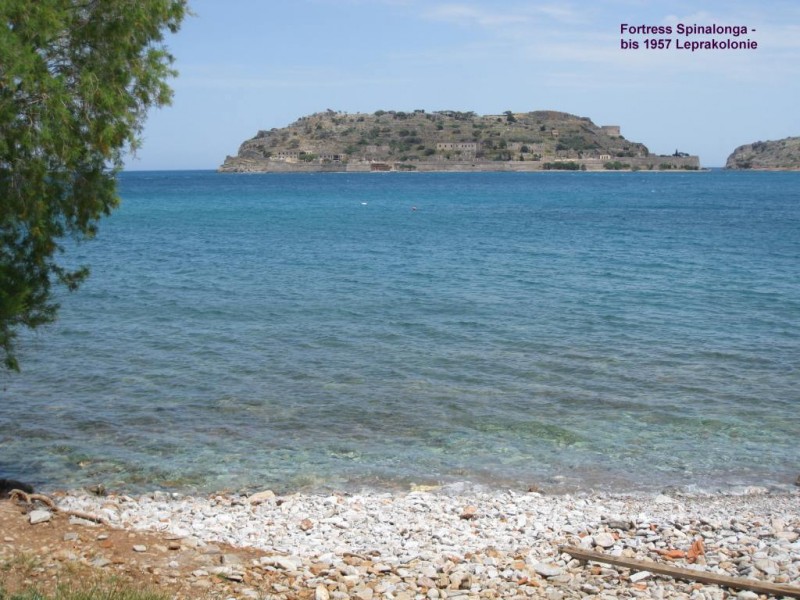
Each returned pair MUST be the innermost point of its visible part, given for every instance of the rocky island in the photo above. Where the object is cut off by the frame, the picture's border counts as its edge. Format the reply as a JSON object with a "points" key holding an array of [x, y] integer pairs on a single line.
{"points": [[774, 155], [447, 141]]}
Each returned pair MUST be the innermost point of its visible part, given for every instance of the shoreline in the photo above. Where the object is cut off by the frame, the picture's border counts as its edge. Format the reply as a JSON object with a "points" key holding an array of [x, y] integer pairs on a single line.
{"points": [[454, 169], [585, 482], [450, 542]]}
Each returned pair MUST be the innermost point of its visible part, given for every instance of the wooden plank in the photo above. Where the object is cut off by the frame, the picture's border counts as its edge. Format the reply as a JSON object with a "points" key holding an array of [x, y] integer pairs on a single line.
{"points": [[738, 583]]}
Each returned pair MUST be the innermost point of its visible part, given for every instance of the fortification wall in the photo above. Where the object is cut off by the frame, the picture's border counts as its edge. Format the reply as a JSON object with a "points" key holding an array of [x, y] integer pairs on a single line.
{"points": [[245, 165], [644, 163]]}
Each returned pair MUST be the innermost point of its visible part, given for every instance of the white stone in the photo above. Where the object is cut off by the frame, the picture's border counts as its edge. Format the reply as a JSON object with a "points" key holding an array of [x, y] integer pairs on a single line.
{"points": [[260, 497], [100, 562], [40, 516], [365, 594], [663, 499], [768, 567], [321, 593], [547, 569], [604, 540], [287, 563]]}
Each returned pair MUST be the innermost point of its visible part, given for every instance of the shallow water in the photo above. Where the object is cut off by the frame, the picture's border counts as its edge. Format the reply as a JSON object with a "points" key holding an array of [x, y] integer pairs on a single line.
{"points": [[313, 331]]}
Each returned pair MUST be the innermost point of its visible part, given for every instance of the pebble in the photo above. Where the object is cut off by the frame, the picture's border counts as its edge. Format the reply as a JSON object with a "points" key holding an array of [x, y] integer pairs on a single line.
{"points": [[604, 540], [282, 562], [260, 497], [40, 516], [100, 562], [547, 570], [767, 566], [457, 542]]}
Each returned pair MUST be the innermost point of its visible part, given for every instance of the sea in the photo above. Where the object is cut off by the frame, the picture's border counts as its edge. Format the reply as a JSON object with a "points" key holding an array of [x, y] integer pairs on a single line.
{"points": [[339, 332]]}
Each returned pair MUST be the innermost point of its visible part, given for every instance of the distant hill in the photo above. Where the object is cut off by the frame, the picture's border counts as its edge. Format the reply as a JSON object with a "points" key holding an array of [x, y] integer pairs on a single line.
{"points": [[777, 154], [446, 141]]}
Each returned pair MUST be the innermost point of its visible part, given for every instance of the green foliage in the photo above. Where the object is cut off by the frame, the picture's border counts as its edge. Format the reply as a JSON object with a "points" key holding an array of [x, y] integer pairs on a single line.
{"points": [[575, 142], [458, 115], [616, 165], [77, 78], [561, 166]]}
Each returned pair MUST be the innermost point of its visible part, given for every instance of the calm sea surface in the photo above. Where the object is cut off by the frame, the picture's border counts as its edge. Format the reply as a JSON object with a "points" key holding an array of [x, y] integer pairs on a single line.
{"points": [[308, 332]]}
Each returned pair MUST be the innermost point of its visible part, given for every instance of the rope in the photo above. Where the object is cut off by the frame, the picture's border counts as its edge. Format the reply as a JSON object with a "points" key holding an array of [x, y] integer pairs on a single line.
{"points": [[29, 499]]}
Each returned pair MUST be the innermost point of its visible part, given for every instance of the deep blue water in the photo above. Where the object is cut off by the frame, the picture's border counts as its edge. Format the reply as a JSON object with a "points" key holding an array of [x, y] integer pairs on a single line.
{"points": [[314, 331]]}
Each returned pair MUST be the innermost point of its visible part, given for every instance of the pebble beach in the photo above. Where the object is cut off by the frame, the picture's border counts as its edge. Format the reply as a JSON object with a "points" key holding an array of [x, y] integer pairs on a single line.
{"points": [[458, 542]]}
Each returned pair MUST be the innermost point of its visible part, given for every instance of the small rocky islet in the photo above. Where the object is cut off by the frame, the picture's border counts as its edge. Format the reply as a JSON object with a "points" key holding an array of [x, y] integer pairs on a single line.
{"points": [[772, 155], [455, 542]]}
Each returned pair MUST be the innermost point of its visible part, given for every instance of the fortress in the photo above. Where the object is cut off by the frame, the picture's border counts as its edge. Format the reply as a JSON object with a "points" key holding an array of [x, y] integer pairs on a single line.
{"points": [[447, 141]]}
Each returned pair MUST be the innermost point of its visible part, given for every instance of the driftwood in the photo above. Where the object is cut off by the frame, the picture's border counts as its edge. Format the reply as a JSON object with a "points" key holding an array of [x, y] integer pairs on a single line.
{"points": [[30, 498], [738, 583]]}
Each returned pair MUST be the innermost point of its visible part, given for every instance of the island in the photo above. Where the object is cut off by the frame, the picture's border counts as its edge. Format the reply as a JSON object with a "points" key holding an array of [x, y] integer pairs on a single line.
{"points": [[773, 155], [447, 140]]}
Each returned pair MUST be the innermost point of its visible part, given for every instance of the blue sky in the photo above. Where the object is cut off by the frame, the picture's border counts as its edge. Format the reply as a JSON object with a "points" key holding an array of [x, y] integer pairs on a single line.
{"points": [[247, 65]]}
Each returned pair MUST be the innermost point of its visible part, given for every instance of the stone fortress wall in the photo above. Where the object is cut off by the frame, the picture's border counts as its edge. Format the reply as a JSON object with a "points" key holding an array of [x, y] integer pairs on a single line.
{"points": [[639, 163], [459, 157]]}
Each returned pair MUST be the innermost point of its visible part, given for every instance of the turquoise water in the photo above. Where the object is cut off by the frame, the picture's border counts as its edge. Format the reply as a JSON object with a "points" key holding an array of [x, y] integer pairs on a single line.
{"points": [[308, 332]]}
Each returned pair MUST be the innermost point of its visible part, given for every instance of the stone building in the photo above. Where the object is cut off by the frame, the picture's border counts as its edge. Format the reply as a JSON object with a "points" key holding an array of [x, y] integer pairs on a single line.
{"points": [[468, 147], [286, 155], [611, 130]]}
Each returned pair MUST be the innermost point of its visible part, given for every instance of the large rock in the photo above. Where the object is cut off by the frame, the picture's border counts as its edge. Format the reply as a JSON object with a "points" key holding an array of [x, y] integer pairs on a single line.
{"points": [[781, 154]]}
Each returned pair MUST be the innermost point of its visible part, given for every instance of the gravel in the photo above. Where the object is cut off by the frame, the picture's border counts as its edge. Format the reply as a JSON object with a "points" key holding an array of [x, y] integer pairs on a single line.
{"points": [[457, 543]]}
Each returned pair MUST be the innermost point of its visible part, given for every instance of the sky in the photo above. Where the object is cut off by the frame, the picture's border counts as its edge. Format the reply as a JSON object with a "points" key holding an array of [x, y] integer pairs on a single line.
{"points": [[248, 65]]}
